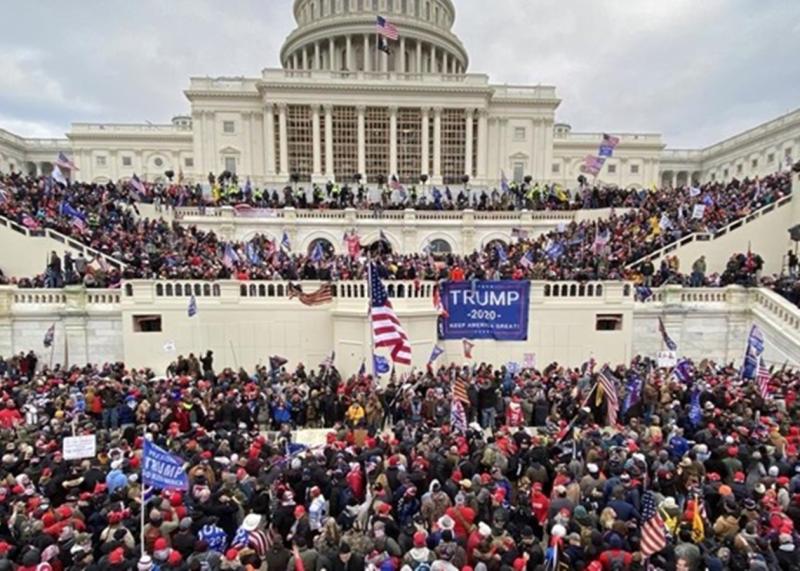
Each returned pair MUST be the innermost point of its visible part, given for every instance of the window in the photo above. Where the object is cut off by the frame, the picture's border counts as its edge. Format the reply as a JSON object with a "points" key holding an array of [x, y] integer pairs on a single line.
{"points": [[228, 127], [608, 322], [519, 133], [556, 168], [100, 160], [127, 161], [771, 158], [439, 246], [754, 163], [188, 162], [634, 169], [519, 172], [725, 173], [739, 168], [146, 323], [612, 169], [158, 161], [230, 164]]}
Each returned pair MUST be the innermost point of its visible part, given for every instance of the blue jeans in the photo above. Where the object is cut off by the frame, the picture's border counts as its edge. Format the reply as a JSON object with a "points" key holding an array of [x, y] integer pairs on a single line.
{"points": [[487, 417]]}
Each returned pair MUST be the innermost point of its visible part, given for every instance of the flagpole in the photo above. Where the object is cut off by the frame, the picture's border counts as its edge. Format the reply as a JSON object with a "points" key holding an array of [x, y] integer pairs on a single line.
{"points": [[369, 318], [141, 487]]}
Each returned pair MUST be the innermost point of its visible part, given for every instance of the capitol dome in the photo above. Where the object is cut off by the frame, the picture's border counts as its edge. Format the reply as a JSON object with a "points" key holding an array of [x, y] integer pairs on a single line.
{"points": [[340, 35]]}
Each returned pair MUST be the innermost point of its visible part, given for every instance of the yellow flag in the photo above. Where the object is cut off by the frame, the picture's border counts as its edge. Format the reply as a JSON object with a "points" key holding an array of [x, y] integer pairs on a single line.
{"points": [[698, 529]]}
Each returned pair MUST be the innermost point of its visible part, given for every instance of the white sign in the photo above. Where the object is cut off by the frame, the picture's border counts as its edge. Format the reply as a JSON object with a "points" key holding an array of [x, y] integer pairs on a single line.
{"points": [[77, 447], [169, 347], [667, 359], [699, 211], [529, 360]]}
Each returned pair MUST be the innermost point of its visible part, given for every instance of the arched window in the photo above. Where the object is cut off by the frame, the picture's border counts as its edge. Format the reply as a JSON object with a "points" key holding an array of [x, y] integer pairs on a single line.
{"points": [[496, 243], [243, 290], [325, 247], [440, 246], [215, 290], [128, 290], [380, 246], [178, 289], [159, 290], [187, 289], [207, 290], [280, 290], [198, 290], [262, 291]]}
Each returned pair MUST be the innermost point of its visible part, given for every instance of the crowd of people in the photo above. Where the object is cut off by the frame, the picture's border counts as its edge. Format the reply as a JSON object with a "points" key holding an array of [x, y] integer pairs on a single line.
{"points": [[692, 472], [103, 217]]}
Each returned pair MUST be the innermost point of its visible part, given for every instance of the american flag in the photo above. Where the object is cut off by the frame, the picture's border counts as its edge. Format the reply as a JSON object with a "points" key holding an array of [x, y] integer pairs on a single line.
{"points": [[387, 30], [458, 418], [192, 309], [63, 161], [654, 537], [606, 380], [386, 328], [323, 295], [763, 378], [460, 390], [229, 256], [437, 302], [610, 140], [138, 186]]}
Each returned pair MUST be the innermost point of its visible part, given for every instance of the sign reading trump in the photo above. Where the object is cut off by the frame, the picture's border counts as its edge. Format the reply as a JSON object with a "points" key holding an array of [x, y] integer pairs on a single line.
{"points": [[485, 310]]}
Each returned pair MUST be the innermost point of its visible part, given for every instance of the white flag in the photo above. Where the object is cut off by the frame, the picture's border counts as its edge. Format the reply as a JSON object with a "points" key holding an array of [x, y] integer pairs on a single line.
{"points": [[58, 176], [694, 191]]}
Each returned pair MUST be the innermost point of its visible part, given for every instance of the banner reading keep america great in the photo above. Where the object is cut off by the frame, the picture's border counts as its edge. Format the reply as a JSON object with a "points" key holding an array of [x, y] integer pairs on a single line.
{"points": [[485, 310]]}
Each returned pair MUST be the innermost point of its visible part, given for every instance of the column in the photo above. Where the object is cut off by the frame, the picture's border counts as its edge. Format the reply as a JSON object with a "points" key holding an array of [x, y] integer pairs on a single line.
{"points": [[305, 58], [332, 54], [269, 138], [247, 160], [329, 141], [384, 59], [315, 142], [362, 151], [482, 143], [437, 145], [425, 141], [197, 142], [366, 53], [468, 145], [433, 59], [402, 56], [392, 140], [444, 63], [348, 55], [284, 141], [294, 61], [418, 68]]}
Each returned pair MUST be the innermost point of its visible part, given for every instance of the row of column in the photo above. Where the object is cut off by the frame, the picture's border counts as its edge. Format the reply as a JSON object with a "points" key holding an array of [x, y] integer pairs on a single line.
{"points": [[328, 173], [426, 57]]}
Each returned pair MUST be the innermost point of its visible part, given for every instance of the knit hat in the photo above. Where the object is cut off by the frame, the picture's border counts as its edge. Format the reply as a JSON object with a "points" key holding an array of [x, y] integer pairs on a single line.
{"points": [[144, 564], [419, 539], [117, 556]]}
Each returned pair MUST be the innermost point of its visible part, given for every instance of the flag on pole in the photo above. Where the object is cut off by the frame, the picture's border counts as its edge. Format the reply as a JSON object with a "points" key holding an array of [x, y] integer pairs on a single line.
{"points": [[63, 161], [362, 370], [285, 241], [229, 257], [383, 45], [328, 362], [380, 365], [695, 410], [698, 528], [555, 250], [386, 328], [386, 29], [763, 378], [435, 354], [353, 243], [58, 176], [504, 181], [606, 380], [460, 390], [671, 345], [468, 346], [683, 371], [458, 418], [317, 254], [138, 186], [501, 253], [752, 355], [654, 537], [50, 335], [276, 362], [525, 261], [192, 310], [634, 392], [163, 470]]}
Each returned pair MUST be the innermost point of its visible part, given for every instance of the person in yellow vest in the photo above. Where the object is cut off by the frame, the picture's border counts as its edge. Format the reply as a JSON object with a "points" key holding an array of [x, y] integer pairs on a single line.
{"points": [[355, 413]]}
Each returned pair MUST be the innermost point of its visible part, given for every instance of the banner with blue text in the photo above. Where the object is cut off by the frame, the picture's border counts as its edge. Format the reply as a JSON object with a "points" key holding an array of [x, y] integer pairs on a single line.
{"points": [[163, 470], [485, 310]]}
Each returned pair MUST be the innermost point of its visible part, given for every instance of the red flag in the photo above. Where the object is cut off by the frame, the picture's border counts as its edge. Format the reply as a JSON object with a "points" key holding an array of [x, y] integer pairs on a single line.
{"points": [[468, 346]]}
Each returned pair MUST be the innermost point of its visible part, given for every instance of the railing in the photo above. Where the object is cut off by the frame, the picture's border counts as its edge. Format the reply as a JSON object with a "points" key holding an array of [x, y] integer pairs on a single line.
{"points": [[708, 236], [787, 314], [63, 239], [42, 296], [80, 128]]}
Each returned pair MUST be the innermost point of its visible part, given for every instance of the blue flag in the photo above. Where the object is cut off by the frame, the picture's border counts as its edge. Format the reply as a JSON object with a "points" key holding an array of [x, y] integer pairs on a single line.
{"points": [[362, 370], [380, 365], [163, 470], [555, 250], [752, 355], [634, 392], [68, 210], [192, 310], [285, 241], [683, 371], [501, 253], [252, 254], [317, 254], [435, 353], [695, 411]]}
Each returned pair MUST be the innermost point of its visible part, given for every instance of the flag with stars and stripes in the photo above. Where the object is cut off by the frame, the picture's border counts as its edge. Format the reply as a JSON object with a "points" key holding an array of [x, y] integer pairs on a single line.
{"points": [[386, 328], [654, 537], [606, 381], [763, 378], [386, 29], [192, 310], [458, 418]]}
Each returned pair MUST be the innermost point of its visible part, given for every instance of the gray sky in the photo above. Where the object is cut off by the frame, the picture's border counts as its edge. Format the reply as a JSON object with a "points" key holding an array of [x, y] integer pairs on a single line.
{"points": [[695, 70]]}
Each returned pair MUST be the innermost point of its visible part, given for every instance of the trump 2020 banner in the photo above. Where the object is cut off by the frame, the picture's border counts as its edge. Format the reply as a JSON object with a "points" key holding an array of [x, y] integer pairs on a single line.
{"points": [[485, 310], [163, 470]]}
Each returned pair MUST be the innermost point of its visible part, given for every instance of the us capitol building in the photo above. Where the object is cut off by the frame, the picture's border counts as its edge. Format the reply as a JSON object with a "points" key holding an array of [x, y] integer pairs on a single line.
{"points": [[338, 106]]}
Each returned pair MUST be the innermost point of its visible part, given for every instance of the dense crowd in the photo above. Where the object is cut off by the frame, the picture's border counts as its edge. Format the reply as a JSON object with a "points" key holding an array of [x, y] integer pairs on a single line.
{"points": [[534, 476], [103, 218]]}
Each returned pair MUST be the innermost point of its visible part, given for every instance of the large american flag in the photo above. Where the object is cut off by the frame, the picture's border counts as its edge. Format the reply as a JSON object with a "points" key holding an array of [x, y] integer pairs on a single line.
{"points": [[606, 380], [386, 328], [387, 30], [654, 537], [460, 390], [763, 378]]}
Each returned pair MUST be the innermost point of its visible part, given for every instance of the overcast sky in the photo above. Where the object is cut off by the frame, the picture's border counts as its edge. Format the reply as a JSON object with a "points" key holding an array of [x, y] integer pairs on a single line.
{"points": [[696, 71]]}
